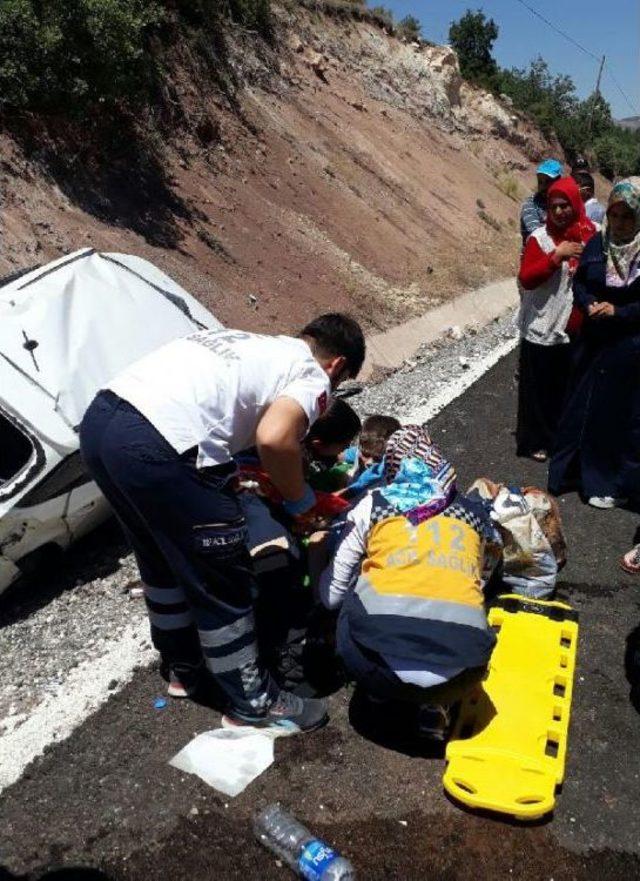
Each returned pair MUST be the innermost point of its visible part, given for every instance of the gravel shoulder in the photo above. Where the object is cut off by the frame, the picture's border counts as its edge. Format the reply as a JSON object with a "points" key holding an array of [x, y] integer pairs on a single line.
{"points": [[64, 616], [446, 363]]}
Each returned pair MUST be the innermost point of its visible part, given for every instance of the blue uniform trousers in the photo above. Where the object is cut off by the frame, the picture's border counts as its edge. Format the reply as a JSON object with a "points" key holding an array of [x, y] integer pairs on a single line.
{"points": [[188, 534]]}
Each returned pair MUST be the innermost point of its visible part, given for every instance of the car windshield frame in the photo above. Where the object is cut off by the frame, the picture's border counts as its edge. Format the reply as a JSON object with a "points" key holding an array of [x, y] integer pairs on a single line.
{"points": [[24, 475]]}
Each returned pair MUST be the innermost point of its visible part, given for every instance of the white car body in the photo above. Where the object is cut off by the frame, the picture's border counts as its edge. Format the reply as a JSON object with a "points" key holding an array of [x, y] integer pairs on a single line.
{"points": [[66, 329]]}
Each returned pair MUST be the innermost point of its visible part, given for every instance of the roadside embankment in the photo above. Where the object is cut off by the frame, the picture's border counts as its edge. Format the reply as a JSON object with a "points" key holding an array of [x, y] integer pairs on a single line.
{"points": [[472, 310], [339, 168]]}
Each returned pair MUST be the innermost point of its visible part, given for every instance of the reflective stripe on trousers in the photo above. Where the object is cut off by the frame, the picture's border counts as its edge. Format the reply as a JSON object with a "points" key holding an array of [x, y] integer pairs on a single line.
{"points": [[167, 607]]}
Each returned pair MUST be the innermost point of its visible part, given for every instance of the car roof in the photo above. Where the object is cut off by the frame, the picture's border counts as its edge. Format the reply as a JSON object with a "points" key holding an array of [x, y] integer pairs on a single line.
{"points": [[69, 327]]}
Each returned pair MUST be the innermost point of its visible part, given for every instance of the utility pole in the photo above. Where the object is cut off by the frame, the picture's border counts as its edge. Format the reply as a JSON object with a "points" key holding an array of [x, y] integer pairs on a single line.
{"points": [[600, 76], [596, 94]]}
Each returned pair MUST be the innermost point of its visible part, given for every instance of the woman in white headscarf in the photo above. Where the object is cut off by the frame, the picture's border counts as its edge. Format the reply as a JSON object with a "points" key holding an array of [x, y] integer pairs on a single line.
{"points": [[598, 448]]}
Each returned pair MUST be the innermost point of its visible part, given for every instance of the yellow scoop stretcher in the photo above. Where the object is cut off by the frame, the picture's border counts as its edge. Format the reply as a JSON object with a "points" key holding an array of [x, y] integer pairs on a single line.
{"points": [[508, 747]]}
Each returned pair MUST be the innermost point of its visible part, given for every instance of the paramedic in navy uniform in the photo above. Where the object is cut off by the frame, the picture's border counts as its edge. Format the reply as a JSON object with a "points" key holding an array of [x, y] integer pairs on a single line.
{"points": [[159, 442]]}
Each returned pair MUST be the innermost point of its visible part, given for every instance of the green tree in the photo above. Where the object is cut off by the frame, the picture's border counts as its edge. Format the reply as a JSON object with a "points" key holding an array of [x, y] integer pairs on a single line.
{"points": [[65, 53], [383, 16], [535, 89], [595, 114], [617, 155], [473, 37], [409, 28], [582, 127]]}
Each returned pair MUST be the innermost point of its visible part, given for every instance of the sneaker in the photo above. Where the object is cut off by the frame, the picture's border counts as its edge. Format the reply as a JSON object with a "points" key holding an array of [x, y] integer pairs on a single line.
{"points": [[289, 714], [605, 503], [631, 561], [434, 722], [183, 683]]}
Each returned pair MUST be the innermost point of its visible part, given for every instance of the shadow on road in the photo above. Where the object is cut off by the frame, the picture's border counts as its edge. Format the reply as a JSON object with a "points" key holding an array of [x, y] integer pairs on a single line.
{"points": [[66, 874], [393, 726], [97, 555], [632, 666]]}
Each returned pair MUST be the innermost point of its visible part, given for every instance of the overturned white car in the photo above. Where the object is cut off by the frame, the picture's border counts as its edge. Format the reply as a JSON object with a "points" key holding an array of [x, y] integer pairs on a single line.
{"points": [[65, 330]]}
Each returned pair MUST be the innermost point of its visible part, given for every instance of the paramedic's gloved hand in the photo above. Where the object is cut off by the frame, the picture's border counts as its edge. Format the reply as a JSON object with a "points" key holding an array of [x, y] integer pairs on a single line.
{"points": [[300, 506], [302, 512], [327, 507], [371, 476]]}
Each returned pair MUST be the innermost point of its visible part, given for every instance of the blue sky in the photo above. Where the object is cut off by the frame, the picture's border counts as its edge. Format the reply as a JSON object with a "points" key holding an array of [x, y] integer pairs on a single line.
{"points": [[611, 27]]}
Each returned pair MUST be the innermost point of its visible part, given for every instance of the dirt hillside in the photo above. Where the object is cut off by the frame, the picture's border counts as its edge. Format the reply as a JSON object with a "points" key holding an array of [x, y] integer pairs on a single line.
{"points": [[345, 169]]}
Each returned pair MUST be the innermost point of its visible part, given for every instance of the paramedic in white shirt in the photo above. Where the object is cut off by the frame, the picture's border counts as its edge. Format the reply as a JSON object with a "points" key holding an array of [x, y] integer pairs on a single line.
{"points": [[159, 443]]}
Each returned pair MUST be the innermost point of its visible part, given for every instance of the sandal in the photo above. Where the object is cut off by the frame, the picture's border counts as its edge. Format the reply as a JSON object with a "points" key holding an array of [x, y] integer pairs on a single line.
{"points": [[630, 562], [540, 456]]}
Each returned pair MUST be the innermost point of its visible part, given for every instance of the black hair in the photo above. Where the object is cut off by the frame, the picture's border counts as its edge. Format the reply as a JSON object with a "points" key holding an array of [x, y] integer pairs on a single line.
{"points": [[336, 335], [579, 164], [584, 179], [338, 424], [376, 431]]}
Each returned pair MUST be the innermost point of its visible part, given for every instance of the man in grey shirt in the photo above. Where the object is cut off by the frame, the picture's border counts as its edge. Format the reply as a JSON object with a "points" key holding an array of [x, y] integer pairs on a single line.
{"points": [[534, 209], [595, 210]]}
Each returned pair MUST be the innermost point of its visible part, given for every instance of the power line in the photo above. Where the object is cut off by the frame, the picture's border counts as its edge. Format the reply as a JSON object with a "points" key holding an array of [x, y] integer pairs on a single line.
{"points": [[580, 47], [621, 90], [559, 30]]}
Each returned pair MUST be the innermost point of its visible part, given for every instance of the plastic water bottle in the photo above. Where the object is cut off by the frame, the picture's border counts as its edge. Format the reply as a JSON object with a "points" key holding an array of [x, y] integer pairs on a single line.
{"points": [[311, 858]]}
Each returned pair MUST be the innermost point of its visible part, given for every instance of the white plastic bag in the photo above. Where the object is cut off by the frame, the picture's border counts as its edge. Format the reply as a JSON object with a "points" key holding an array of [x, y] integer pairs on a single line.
{"points": [[530, 567], [534, 544]]}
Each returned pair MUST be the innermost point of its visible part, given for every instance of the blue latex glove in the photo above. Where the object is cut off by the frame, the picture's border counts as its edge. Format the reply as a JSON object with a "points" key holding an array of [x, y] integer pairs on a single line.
{"points": [[370, 476], [301, 506]]}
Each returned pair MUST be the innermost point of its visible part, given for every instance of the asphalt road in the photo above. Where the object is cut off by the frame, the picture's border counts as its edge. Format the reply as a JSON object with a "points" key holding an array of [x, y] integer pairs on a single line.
{"points": [[106, 799]]}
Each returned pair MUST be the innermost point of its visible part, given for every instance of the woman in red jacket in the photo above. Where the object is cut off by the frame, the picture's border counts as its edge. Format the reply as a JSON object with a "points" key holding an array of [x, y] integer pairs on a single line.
{"points": [[546, 318]]}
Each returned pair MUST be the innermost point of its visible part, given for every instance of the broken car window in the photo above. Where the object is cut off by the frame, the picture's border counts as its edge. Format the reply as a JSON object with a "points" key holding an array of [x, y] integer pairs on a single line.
{"points": [[15, 450]]}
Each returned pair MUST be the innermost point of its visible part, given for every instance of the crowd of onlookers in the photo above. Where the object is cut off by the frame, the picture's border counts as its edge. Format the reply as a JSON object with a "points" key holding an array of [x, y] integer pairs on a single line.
{"points": [[579, 399]]}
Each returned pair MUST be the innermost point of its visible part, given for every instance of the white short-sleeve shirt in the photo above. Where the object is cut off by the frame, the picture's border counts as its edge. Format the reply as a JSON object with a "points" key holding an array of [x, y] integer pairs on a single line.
{"points": [[211, 389]]}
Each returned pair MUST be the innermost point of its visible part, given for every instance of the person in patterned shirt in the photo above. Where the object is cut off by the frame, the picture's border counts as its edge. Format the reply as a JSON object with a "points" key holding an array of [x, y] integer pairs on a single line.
{"points": [[534, 209]]}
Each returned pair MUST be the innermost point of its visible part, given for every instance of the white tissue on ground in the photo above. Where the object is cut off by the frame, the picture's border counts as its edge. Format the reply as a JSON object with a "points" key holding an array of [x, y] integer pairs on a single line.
{"points": [[226, 759]]}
